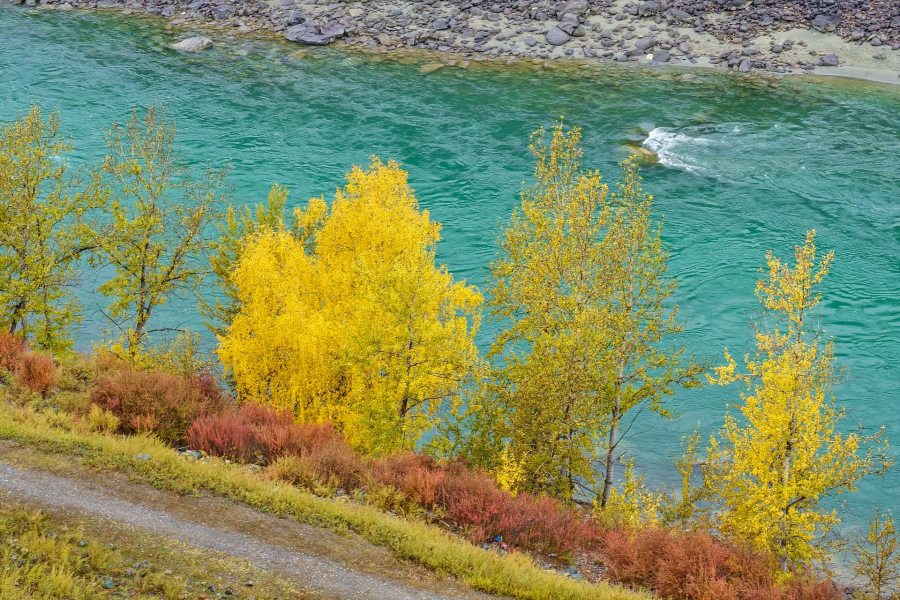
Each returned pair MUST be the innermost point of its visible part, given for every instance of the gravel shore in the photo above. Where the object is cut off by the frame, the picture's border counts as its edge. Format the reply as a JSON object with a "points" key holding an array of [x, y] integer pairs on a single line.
{"points": [[836, 37]]}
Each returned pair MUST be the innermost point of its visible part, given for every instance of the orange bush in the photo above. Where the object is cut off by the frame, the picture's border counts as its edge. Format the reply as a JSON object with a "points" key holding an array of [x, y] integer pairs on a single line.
{"points": [[472, 499], [38, 373], [695, 566], [255, 433], [156, 402], [12, 348]]}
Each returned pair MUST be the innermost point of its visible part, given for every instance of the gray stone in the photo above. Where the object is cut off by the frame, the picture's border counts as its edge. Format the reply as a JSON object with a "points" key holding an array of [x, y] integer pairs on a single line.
{"points": [[295, 18], [826, 23], [677, 13], [830, 60], [648, 9], [143, 456], [744, 67], [440, 25], [222, 12], [576, 7], [311, 35], [556, 37], [645, 43], [567, 27], [194, 44], [662, 55], [529, 41]]}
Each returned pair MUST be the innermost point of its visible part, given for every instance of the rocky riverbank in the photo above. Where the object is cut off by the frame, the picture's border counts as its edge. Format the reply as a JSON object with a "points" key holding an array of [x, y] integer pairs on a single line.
{"points": [[779, 36]]}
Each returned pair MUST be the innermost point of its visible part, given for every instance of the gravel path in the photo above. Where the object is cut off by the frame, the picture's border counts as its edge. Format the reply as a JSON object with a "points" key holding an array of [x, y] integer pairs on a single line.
{"points": [[316, 574]]}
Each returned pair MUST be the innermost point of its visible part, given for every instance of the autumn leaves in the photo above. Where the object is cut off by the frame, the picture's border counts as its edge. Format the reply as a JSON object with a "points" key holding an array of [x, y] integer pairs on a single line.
{"points": [[337, 311]]}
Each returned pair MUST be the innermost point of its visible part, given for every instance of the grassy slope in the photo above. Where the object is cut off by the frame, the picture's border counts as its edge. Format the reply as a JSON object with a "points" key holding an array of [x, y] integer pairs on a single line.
{"points": [[512, 575], [51, 557]]}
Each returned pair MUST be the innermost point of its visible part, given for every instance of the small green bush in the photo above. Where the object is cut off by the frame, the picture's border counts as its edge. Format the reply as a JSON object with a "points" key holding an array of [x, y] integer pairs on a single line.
{"points": [[102, 420]]}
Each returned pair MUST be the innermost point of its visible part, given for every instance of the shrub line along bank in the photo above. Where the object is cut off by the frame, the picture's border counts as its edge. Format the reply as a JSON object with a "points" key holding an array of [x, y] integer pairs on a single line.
{"points": [[513, 575]]}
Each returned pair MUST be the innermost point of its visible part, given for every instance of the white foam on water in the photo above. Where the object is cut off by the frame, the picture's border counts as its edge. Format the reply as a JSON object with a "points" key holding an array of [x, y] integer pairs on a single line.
{"points": [[669, 145]]}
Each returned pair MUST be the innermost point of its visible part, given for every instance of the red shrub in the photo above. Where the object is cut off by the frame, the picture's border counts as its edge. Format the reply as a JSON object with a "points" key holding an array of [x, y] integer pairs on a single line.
{"points": [[256, 433], [418, 476], [157, 402], [12, 348], [38, 373], [474, 501], [695, 566], [227, 435], [336, 463]]}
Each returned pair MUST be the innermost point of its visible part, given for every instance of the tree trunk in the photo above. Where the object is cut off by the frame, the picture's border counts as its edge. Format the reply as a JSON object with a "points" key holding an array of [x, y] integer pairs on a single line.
{"points": [[785, 478], [18, 316], [611, 456]]}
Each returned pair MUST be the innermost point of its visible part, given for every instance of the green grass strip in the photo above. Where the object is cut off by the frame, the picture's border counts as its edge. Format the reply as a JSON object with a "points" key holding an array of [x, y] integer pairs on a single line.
{"points": [[513, 575]]}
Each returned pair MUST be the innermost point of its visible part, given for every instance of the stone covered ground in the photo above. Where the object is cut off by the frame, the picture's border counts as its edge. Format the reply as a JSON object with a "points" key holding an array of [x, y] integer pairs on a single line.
{"points": [[744, 35]]}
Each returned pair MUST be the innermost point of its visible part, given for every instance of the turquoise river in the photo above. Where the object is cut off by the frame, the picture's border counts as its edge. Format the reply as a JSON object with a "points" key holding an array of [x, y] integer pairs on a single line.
{"points": [[745, 167]]}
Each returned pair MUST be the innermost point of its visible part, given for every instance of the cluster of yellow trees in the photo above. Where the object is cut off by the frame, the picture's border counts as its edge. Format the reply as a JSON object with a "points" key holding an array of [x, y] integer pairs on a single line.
{"points": [[338, 312]]}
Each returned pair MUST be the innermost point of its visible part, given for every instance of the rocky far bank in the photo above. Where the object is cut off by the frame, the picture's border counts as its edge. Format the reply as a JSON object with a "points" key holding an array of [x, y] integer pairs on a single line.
{"points": [[779, 36]]}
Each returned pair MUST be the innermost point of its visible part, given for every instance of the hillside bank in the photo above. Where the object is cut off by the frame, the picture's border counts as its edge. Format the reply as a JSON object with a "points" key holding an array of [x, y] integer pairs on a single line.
{"points": [[846, 38]]}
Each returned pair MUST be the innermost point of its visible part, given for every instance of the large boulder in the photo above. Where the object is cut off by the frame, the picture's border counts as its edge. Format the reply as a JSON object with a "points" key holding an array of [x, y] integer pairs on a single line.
{"points": [[826, 23], [575, 7], [295, 18], [222, 12], [310, 34], [194, 44], [679, 15], [829, 60], [648, 9], [556, 37], [645, 43]]}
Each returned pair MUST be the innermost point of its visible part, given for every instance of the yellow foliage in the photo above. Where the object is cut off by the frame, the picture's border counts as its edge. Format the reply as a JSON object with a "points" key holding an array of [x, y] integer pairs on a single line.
{"points": [[550, 293], [180, 355], [684, 510], [43, 208], [511, 473], [100, 419], [773, 465], [581, 292], [347, 319], [876, 555], [632, 505]]}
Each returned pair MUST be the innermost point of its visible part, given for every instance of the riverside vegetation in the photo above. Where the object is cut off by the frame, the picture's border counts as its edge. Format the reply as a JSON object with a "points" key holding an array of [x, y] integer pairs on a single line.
{"points": [[342, 344]]}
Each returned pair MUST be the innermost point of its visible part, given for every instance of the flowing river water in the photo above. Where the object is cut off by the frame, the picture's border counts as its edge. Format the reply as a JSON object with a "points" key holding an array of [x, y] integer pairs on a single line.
{"points": [[745, 166]]}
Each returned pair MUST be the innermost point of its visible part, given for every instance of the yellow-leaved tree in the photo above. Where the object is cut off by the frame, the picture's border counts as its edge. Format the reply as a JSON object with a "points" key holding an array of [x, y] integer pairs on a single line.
{"points": [[155, 240], [581, 291], [43, 208], [346, 318], [544, 406], [234, 229], [773, 465]]}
